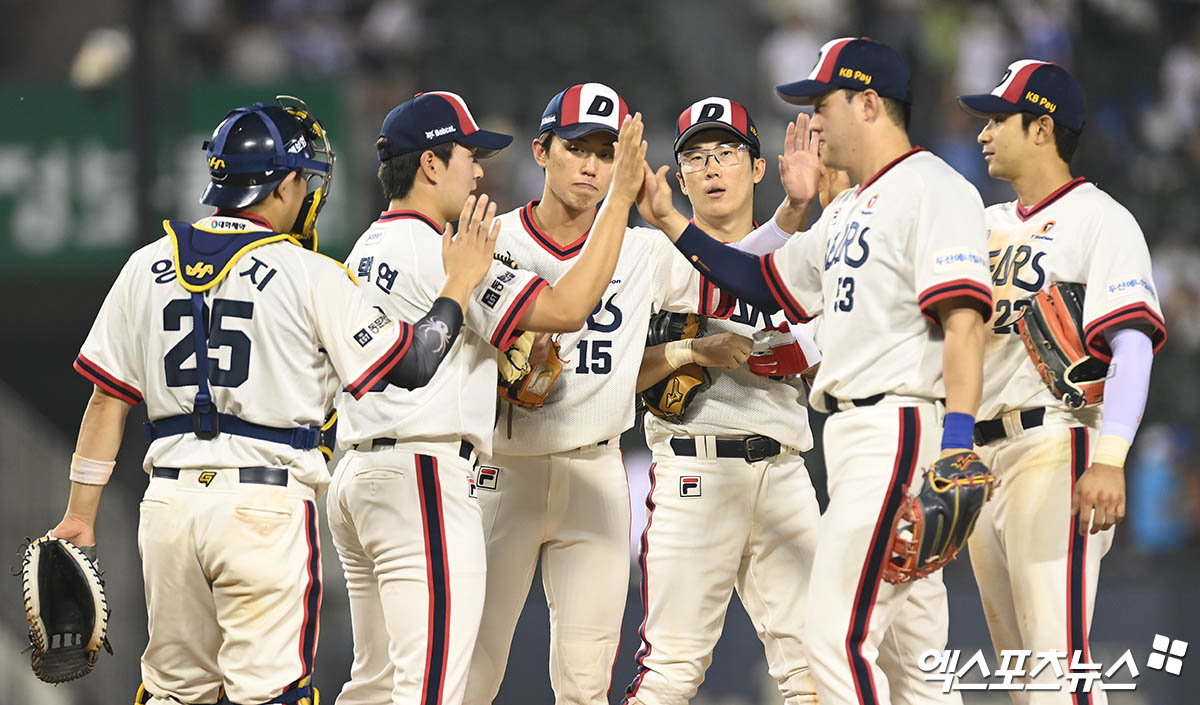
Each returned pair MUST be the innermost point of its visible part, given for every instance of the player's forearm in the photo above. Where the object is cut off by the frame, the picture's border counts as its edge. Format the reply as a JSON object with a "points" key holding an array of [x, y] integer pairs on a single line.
{"points": [[565, 306], [791, 215], [764, 239], [1124, 394], [100, 434], [655, 367], [962, 359], [735, 272], [433, 336], [459, 290]]}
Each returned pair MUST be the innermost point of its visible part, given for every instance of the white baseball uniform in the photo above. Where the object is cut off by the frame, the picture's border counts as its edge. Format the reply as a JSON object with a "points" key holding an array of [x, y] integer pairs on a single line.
{"points": [[716, 523], [556, 488], [874, 265], [232, 566], [402, 506], [1037, 576]]}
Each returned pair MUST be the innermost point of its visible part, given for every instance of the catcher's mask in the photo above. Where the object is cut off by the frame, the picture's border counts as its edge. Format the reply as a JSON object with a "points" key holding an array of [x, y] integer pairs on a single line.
{"points": [[254, 149]]}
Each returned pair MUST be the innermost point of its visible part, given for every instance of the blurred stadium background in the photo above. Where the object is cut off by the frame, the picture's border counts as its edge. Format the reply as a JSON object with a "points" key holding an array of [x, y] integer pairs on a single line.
{"points": [[105, 104]]}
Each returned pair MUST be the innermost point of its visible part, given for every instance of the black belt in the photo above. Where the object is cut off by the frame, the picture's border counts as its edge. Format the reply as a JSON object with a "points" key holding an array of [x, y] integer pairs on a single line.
{"points": [[993, 429], [257, 475], [465, 449], [750, 448], [834, 405]]}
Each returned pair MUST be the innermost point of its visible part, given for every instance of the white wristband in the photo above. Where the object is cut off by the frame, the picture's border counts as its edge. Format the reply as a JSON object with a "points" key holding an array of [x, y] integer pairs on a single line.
{"points": [[679, 352], [86, 471], [1111, 449]]}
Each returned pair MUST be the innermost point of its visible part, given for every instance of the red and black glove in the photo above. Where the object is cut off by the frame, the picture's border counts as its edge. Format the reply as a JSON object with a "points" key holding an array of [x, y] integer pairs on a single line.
{"points": [[782, 355]]}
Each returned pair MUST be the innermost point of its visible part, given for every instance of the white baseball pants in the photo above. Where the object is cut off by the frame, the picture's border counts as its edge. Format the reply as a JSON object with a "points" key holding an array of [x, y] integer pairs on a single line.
{"points": [[715, 525], [864, 634], [233, 587], [407, 531], [1037, 576], [571, 510]]}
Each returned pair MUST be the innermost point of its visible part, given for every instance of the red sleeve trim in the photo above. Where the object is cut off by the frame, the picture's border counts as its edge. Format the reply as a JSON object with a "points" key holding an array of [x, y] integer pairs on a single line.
{"points": [[1093, 333], [110, 384], [978, 293], [791, 308], [506, 332], [384, 364]]}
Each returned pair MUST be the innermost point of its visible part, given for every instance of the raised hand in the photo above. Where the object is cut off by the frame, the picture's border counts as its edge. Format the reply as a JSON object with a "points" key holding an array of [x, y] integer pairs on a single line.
{"points": [[800, 164], [628, 162], [467, 256]]}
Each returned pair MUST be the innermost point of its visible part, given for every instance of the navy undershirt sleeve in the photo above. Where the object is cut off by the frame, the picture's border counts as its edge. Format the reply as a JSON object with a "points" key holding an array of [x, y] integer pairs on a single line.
{"points": [[433, 336], [733, 271]]}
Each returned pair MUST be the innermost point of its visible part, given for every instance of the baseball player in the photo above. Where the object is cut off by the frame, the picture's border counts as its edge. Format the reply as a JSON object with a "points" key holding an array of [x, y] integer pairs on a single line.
{"points": [[555, 488], [731, 504], [235, 337], [1036, 549], [402, 506], [896, 266]]}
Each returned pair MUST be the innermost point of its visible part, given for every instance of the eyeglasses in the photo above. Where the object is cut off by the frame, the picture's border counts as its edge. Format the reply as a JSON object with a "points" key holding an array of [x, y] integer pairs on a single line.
{"points": [[693, 160]]}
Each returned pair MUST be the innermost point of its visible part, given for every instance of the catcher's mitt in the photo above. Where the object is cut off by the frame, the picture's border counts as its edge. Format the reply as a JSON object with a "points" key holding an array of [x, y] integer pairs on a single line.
{"points": [[66, 609], [940, 518], [521, 383], [670, 397], [1052, 330]]}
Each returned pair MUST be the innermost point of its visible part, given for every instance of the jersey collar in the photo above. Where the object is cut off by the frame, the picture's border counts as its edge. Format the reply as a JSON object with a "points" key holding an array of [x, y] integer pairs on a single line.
{"points": [[391, 216], [233, 221], [1026, 213], [548, 243], [879, 174]]}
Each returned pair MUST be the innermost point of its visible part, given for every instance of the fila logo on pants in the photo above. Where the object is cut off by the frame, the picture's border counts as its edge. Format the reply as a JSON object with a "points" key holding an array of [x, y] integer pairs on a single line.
{"points": [[689, 486], [489, 478]]}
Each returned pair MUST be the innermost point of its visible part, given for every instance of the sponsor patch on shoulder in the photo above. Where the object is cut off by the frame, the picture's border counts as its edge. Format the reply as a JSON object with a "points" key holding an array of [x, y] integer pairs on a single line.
{"points": [[377, 325], [1130, 286], [950, 260]]}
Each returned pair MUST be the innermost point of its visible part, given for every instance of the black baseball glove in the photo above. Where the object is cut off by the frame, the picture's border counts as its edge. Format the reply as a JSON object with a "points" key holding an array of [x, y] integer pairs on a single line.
{"points": [[66, 609]]}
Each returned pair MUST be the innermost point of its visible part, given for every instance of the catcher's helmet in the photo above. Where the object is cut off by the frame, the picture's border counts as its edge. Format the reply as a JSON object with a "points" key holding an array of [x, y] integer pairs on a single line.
{"points": [[256, 147]]}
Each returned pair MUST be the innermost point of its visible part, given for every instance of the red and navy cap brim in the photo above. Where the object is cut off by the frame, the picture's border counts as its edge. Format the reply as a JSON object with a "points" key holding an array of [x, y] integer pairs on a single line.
{"points": [[985, 105], [580, 129], [803, 92], [485, 142], [714, 125]]}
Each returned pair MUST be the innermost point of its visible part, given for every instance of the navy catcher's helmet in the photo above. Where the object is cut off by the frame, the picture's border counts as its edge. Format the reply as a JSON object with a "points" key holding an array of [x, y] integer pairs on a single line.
{"points": [[254, 149]]}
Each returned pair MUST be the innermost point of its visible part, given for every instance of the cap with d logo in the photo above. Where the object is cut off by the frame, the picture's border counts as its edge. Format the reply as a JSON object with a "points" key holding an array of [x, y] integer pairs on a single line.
{"points": [[855, 64], [720, 114], [432, 118], [583, 109], [1035, 87]]}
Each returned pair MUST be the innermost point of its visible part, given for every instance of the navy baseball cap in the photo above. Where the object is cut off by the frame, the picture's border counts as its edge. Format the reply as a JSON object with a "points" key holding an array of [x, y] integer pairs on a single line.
{"points": [[1035, 87], [433, 118], [716, 113], [853, 63], [583, 109]]}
